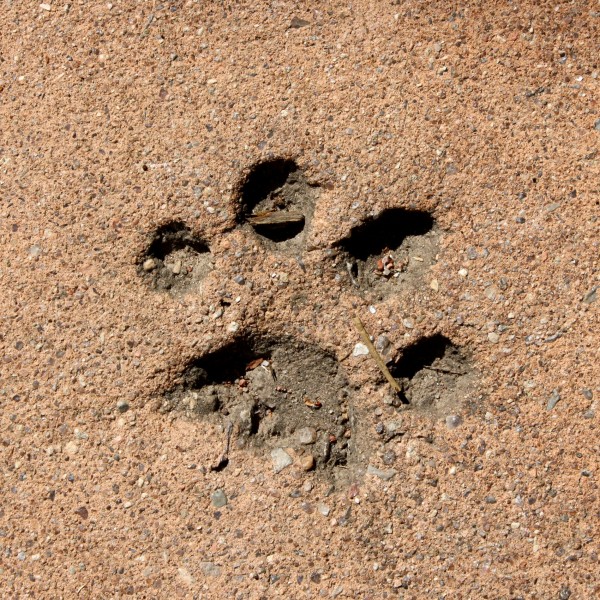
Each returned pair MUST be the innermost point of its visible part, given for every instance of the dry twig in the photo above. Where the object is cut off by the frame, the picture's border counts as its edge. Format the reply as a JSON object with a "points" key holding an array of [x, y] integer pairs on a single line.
{"points": [[373, 352]]}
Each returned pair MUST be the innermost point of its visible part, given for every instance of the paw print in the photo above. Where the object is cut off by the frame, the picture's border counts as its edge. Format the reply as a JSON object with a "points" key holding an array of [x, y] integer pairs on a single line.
{"points": [[277, 393]]}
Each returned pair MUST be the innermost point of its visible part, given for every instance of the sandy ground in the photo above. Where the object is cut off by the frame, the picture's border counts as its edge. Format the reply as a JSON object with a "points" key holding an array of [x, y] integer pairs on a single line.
{"points": [[120, 120]]}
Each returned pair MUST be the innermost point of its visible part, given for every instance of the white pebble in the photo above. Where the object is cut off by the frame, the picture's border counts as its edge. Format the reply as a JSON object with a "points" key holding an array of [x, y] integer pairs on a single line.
{"points": [[281, 459], [149, 264], [71, 448], [360, 350], [323, 509]]}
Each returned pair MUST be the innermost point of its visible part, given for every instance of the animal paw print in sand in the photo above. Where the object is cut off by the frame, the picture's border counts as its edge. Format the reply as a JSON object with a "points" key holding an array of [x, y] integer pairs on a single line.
{"points": [[276, 392]]}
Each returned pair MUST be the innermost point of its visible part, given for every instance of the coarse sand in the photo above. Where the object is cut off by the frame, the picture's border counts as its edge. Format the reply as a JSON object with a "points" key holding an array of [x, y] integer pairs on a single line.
{"points": [[199, 203]]}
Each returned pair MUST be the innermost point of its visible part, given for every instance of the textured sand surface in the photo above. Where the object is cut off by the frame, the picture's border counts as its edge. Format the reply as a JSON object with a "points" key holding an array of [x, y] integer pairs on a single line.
{"points": [[117, 119]]}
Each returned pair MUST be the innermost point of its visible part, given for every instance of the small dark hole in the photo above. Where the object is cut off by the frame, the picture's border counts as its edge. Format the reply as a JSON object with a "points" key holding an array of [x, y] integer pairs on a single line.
{"points": [[281, 232], [264, 179], [224, 365], [172, 237], [255, 418], [275, 199], [420, 355], [223, 463], [386, 231]]}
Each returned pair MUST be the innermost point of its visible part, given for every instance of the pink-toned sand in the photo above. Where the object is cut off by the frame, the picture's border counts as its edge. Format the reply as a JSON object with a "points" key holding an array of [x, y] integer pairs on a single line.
{"points": [[117, 118]]}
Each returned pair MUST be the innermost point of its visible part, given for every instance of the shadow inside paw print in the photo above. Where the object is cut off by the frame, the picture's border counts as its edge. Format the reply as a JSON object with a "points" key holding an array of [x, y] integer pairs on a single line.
{"points": [[278, 203], [437, 376], [277, 393], [390, 252], [176, 259]]}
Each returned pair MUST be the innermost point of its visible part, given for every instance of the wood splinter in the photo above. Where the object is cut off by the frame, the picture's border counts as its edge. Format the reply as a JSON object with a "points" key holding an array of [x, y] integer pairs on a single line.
{"points": [[276, 218], [376, 357]]}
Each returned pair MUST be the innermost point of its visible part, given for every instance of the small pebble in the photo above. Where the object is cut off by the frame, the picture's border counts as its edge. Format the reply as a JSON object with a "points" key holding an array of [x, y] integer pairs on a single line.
{"points": [[323, 509], [186, 576], [71, 448], [471, 253], [307, 463], [587, 394], [360, 350], [233, 327], [463, 272], [218, 498], [597, 125], [149, 265], [491, 292], [239, 279], [553, 400], [385, 474], [493, 337], [382, 344], [453, 421], [388, 458], [281, 459], [211, 569], [591, 296], [393, 428], [306, 435], [122, 406], [82, 511], [565, 591]]}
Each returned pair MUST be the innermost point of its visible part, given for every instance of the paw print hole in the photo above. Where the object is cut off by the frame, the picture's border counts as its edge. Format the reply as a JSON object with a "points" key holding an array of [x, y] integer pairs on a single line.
{"points": [[278, 202], [281, 394], [398, 245], [436, 375], [176, 259]]}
